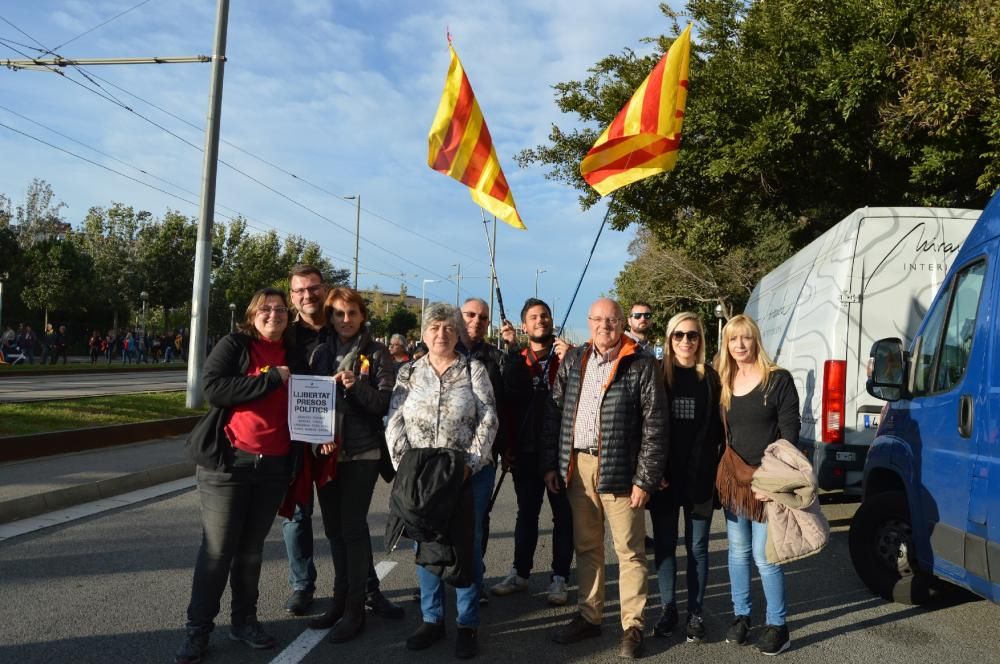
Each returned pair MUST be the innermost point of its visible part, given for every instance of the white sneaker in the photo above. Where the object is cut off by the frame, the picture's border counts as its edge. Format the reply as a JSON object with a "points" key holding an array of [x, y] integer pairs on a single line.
{"points": [[557, 594], [512, 584]]}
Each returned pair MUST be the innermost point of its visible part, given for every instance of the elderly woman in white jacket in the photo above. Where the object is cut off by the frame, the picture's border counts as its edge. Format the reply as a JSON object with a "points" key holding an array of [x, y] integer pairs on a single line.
{"points": [[445, 400]]}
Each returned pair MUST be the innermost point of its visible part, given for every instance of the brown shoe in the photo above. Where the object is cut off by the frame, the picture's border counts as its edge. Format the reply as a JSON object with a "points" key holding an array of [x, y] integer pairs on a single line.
{"points": [[631, 643], [576, 630]]}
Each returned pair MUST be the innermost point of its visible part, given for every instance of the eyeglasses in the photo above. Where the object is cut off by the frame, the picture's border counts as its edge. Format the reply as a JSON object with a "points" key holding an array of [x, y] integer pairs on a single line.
{"points": [[272, 310], [693, 335], [313, 290], [600, 320], [472, 315], [642, 314]]}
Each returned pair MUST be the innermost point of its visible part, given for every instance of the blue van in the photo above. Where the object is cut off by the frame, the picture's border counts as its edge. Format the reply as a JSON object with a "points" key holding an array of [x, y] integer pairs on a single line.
{"points": [[931, 487]]}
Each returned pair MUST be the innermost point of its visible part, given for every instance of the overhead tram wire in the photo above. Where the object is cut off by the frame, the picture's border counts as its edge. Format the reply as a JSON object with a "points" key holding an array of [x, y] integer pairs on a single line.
{"points": [[100, 25], [221, 161], [250, 221], [91, 76]]}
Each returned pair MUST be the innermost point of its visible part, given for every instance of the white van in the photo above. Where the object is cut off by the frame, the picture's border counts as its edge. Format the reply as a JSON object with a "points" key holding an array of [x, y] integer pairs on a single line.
{"points": [[870, 276]]}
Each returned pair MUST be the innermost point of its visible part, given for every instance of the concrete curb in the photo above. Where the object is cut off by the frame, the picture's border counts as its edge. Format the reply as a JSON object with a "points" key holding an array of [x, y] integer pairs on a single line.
{"points": [[24, 507], [34, 446]]}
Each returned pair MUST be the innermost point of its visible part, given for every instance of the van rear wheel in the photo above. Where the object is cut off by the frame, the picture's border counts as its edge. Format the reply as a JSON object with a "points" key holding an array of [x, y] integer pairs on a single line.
{"points": [[881, 546]]}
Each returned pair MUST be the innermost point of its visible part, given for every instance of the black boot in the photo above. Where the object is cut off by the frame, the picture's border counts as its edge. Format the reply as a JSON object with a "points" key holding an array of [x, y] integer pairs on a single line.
{"points": [[380, 606], [332, 615], [350, 625]]}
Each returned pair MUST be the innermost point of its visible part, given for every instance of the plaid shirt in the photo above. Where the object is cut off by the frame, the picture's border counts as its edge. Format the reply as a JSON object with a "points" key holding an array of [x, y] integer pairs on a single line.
{"points": [[596, 375]]}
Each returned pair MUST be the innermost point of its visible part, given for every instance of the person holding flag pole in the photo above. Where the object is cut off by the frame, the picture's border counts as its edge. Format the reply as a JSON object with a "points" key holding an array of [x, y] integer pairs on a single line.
{"points": [[606, 432]]}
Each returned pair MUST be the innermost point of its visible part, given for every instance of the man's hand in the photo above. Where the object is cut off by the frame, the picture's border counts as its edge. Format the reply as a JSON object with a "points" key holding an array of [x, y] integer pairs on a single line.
{"points": [[284, 372], [552, 482], [508, 333], [346, 378], [639, 498], [328, 448], [561, 346]]}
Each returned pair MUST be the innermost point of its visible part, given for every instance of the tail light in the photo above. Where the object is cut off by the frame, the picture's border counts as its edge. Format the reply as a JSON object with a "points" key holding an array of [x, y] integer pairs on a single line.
{"points": [[834, 397]]}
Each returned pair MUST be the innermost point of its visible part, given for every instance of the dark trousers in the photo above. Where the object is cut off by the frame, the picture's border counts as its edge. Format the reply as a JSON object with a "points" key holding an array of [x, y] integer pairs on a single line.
{"points": [[664, 515], [529, 486], [345, 502], [237, 510]]}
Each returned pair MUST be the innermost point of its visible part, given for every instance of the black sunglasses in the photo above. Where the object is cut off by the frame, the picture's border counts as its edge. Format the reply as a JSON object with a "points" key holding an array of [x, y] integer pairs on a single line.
{"points": [[471, 314], [642, 314], [693, 335]]}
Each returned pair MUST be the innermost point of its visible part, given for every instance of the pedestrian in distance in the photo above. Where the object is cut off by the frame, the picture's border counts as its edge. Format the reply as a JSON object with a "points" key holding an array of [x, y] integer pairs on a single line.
{"points": [[49, 345], [28, 347], [605, 438], [693, 389], [363, 371], [397, 347], [445, 400], [310, 329], [529, 378], [759, 406], [94, 345], [62, 345], [243, 453]]}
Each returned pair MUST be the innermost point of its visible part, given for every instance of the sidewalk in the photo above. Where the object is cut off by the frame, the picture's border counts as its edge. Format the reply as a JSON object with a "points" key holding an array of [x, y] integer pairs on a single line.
{"points": [[36, 486]]}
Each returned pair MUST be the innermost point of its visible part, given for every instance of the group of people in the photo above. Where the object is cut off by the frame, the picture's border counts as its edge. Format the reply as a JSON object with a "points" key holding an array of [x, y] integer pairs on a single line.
{"points": [[137, 347], [603, 431], [21, 344]]}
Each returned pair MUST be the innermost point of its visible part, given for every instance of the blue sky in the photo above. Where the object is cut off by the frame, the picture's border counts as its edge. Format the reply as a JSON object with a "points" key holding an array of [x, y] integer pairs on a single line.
{"points": [[341, 94]]}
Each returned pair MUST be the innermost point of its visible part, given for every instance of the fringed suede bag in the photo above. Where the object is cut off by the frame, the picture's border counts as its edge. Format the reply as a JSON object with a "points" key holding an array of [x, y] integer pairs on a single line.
{"points": [[732, 481]]}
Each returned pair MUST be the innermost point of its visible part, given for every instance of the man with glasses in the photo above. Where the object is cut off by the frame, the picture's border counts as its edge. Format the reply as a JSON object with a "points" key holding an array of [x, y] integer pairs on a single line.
{"points": [[309, 329], [640, 324], [605, 439], [472, 344]]}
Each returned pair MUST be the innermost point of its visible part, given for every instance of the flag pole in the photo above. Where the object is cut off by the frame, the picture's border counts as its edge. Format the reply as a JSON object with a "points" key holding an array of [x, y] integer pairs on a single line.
{"points": [[493, 263], [607, 213]]}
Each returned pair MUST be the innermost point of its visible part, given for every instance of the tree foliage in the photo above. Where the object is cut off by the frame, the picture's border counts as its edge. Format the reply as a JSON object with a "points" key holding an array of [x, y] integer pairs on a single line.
{"points": [[798, 113]]}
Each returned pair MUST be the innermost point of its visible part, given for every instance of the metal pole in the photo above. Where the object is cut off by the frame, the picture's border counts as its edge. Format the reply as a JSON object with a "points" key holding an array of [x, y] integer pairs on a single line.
{"points": [[538, 271], [423, 298], [357, 240], [458, 284], [492, 248], [203, 249], [569, 308]]}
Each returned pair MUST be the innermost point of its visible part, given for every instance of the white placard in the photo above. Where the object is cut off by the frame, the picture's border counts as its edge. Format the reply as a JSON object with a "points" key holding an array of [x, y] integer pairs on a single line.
{"points": [[312, 407]]}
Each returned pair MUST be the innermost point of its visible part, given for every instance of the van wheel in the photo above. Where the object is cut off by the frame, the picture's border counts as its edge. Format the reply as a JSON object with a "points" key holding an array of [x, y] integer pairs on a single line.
{"points": [[881, 546]]}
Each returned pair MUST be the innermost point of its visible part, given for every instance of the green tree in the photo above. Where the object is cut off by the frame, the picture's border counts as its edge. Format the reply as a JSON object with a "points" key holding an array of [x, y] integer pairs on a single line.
{"points": [[165, 261], [56, 276], [38, 218], [109, 236], [798, 112], [401, 320]]}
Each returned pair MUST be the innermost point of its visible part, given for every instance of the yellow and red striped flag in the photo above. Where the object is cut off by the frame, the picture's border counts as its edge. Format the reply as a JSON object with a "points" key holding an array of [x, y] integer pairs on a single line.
{"points": [[459, 145], [645, 137]]}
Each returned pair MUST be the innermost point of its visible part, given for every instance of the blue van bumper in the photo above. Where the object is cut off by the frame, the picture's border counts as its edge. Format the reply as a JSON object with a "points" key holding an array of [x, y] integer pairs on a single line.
{"points": [[833, 461]]}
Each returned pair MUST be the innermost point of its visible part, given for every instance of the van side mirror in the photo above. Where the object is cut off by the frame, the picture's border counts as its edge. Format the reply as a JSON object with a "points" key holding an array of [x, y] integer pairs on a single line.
{"points": [[887, 370]]}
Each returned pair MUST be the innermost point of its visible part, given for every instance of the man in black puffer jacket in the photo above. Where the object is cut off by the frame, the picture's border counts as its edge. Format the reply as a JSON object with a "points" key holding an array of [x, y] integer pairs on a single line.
{"points": [[605, 436]]}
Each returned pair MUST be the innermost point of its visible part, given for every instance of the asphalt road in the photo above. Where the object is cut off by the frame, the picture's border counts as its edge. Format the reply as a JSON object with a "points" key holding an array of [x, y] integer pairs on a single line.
{"points": [[14, 388], [114, 587]]}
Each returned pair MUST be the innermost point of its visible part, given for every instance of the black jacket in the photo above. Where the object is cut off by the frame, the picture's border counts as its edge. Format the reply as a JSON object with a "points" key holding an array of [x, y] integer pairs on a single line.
{"points": [[692, 464], [227, 385], [431, 503], [361, 408], [633, 436], [528, 397]]}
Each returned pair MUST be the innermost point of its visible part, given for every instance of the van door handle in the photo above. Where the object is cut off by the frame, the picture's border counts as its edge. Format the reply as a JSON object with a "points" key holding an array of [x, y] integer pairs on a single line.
{"points": [[965, 413]]}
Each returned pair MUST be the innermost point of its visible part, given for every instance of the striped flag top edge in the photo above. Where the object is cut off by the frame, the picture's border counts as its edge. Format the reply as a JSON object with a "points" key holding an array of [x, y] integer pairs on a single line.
{"points": [[459, 145], [644, 138]]}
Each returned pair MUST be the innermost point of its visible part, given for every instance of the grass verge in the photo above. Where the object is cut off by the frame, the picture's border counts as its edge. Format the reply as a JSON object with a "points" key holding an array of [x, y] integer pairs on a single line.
{"points": [[41, 416], [85, 367]]}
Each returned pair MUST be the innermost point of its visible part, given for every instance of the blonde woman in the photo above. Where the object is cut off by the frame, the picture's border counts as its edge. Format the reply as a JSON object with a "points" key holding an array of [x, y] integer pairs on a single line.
{"points": [[695, 445], [759, 406]]}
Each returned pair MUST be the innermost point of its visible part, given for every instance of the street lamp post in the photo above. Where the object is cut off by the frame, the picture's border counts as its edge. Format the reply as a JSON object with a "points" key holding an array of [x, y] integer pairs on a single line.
{"points": [[357, 235], [423, 298], [4, 276], [719, 313], [232, 317], [538, 271], [143, 296]]}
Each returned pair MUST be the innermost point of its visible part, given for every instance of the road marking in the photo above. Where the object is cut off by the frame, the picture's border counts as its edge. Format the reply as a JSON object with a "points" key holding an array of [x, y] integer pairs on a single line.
{"points": [[58, 517], [309, 639]]}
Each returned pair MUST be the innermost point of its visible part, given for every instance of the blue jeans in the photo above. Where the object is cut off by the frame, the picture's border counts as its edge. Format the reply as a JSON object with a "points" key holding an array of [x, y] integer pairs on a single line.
{"points": [[298, 535], [466, 599], [746, 536], [664, 517]]}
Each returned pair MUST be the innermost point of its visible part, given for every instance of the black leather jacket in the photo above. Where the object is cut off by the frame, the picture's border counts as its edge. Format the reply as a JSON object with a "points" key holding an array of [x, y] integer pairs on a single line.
{"points": [[633, 436]]}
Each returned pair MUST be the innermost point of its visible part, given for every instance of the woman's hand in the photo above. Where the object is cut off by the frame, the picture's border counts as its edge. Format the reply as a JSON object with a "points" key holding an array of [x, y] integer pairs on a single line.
{"points": [[468, 473], [284, 372], [761, 497], [346, 378], [328, 448]]}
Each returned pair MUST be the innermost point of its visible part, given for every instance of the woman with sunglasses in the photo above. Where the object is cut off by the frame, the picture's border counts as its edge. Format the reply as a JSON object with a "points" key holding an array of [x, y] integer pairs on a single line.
{"points": [[693, 389], [244, 464]]}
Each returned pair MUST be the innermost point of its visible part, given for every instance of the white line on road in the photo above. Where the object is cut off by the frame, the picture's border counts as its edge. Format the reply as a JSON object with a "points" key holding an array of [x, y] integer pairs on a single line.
{"points": [[309, 639], [25, 526]]}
